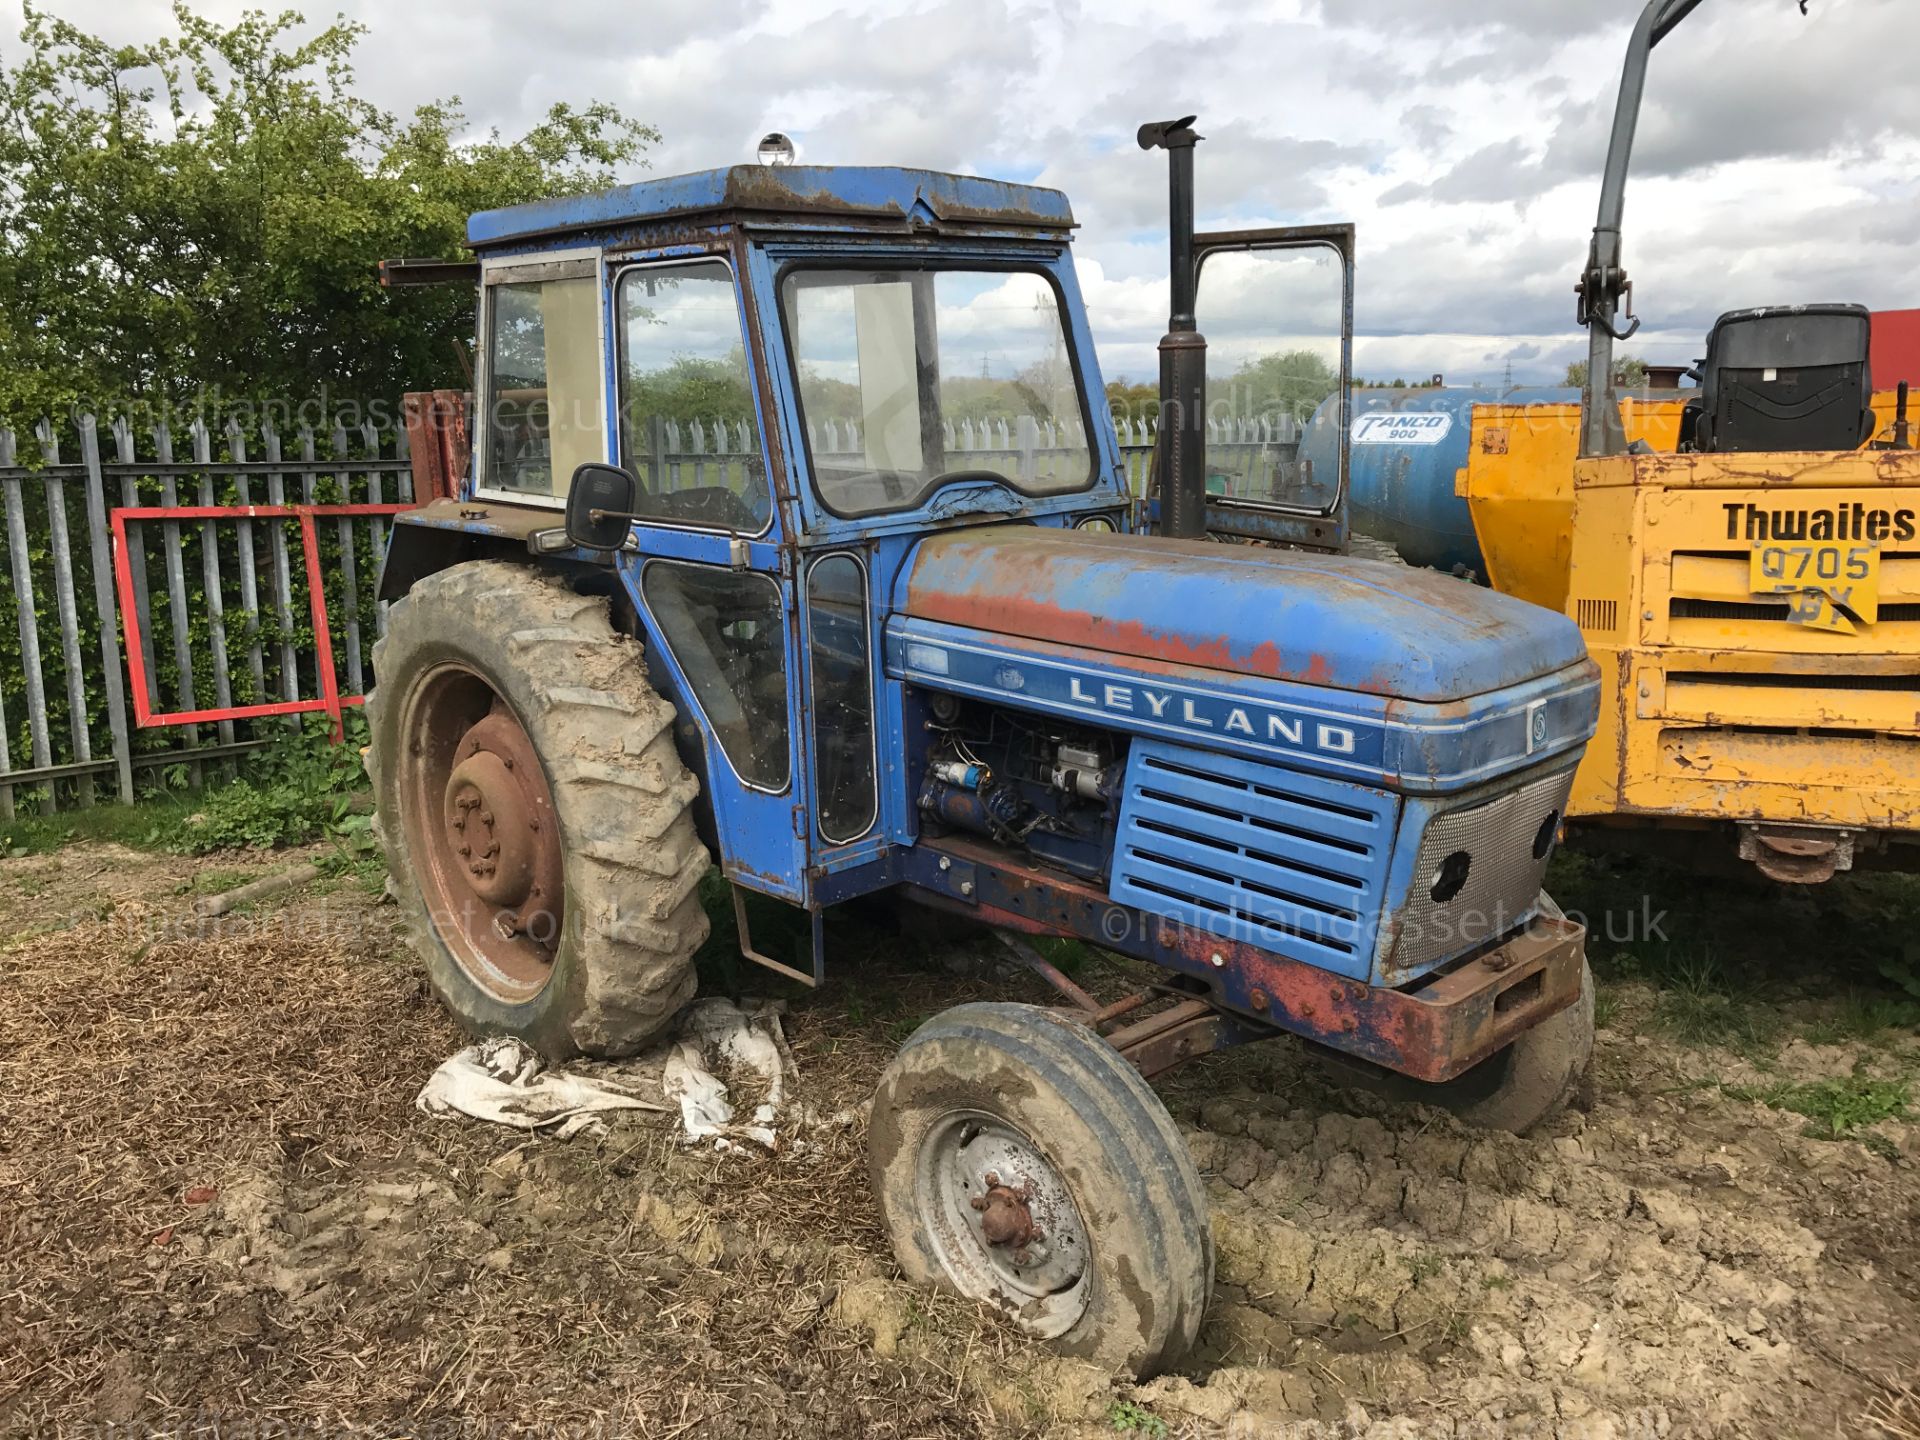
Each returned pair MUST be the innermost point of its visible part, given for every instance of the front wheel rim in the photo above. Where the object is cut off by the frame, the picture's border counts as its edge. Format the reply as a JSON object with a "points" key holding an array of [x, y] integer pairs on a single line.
{"points": [[1003, 1222]]}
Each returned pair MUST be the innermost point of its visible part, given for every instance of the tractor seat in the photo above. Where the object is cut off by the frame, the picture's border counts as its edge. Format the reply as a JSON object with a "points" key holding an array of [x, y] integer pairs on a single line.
{"points": [[1784, 378]]}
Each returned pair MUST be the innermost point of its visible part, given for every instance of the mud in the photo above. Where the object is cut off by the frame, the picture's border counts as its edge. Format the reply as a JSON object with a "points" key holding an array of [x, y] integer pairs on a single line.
{"points": [[256, 1226]]}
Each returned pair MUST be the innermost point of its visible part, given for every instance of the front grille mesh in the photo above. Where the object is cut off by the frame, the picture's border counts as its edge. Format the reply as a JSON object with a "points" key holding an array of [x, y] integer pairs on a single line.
{"points": [[1503, 874]]}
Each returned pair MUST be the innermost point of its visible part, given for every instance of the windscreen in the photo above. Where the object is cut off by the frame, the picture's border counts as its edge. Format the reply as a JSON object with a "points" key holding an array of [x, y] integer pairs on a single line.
{"points": [[911, 379]]}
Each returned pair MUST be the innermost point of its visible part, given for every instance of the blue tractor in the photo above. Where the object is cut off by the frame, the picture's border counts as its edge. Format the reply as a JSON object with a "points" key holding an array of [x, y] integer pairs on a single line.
{"points": [[798, 541]]}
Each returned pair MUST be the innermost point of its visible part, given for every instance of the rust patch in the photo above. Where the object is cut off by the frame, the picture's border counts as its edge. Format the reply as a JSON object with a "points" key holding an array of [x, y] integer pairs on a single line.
{"points": [[1111, 592]]}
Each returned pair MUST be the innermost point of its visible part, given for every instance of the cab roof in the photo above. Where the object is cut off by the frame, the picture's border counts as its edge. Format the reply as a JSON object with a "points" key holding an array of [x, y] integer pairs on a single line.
{"points": [[826, 191]]}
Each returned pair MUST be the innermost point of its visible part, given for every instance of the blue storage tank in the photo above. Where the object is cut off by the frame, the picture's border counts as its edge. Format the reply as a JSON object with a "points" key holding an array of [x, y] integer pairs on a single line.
{"points": [[1407, 444]]}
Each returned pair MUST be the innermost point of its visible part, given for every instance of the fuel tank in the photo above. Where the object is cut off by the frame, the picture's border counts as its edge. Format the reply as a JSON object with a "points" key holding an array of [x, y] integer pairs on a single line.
{"points": [[1407, 444]]}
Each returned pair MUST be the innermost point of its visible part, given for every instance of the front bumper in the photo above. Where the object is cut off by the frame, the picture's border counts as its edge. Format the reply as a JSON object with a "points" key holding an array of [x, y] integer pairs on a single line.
{"points": [[1434, 1029]]}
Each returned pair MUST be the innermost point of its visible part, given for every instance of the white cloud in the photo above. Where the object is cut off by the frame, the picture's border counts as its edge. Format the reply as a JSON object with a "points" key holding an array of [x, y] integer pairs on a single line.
{"points": [[1463, 136]]}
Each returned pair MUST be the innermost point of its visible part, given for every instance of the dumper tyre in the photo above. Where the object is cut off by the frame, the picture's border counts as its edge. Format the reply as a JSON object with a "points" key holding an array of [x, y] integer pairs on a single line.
{"points": [[536, 818], [1527, 1083], [986, 1098]]}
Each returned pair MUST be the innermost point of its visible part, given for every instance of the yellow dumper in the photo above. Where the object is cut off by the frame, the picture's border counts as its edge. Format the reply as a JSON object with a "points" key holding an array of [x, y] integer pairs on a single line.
{"points": [[1748, 705], [1742, 558]]}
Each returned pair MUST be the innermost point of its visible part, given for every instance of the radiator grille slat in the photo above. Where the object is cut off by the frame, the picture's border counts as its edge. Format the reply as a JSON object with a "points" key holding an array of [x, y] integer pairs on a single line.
{"points": [[1293, 863]]}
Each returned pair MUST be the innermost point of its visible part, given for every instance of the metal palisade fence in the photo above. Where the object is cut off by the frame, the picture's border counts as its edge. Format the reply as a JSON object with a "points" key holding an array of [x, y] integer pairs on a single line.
{"points": [[696, 452], [219, 609], [274, 611]]}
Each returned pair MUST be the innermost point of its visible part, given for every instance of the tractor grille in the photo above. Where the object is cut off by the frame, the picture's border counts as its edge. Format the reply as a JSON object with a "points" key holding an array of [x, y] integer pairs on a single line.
{"points": [[1292, 863], [1498, 882]]}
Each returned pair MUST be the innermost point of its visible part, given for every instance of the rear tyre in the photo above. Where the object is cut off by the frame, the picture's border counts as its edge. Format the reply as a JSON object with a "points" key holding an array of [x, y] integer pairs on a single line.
{"points": [[1020, 1161], [535, 815]]}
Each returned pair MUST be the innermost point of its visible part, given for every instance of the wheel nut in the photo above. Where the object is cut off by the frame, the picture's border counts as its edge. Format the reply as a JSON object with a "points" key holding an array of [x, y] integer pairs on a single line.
{"points": [[992, 1177], [978, 1202]]}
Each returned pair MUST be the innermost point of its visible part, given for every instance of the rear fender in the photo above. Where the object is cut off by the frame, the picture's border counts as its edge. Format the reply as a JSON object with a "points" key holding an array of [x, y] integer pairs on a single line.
{"points": [[445, 533]]}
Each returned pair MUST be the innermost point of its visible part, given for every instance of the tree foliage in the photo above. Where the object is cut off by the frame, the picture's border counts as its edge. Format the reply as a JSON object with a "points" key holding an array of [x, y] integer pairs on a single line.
{"points": [[1627, 370], [205, 212], [1282, 382]]}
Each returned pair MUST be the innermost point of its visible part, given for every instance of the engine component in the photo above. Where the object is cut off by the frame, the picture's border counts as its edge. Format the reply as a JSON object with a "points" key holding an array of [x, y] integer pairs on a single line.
{"points": [[994, 809], [1081, 771], [965, 774]]}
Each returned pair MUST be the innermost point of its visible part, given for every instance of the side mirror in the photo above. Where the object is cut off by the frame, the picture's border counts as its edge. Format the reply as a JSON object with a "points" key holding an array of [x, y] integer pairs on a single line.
{"points": [[600, 505]]}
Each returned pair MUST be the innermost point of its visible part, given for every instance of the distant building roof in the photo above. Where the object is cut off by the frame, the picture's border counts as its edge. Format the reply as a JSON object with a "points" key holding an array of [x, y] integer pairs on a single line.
{"points": [[883, 191]]}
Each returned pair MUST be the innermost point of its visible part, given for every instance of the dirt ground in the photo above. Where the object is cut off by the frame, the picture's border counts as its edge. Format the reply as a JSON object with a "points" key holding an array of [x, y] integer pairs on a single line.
{"points": [[220, 1214]]}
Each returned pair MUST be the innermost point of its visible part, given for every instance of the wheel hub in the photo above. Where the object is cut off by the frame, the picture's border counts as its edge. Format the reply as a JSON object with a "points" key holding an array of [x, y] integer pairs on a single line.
{"points": [[490, 827], [500, 830], [484, 834], [1007, 1226], [1005, 1216]]}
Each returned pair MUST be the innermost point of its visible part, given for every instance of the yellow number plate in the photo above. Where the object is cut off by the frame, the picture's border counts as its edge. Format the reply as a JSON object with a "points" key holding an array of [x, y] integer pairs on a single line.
{"points": [[1829, 586]]}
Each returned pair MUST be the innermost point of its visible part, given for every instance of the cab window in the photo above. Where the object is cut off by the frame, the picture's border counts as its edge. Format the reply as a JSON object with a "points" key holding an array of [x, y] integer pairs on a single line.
{"points": [[688, 429], [910, 379], [544, 409]]}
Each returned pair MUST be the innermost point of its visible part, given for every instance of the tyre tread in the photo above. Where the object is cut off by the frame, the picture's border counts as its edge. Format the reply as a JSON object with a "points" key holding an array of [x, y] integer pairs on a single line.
{"points": [[624, 799]]}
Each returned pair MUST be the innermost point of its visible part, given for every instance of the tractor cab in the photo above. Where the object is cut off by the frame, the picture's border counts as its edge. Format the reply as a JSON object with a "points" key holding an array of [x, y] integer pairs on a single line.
{"points": [[766, 386]]}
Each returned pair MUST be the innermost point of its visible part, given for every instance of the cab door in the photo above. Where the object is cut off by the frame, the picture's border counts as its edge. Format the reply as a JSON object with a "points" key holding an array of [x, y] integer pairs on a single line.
{"points": [[1276, 307], [710, 580]]}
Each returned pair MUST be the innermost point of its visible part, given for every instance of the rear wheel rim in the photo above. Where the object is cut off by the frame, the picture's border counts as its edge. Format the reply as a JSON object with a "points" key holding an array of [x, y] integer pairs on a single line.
{"points": [[1003, 1222], [481, 833]]}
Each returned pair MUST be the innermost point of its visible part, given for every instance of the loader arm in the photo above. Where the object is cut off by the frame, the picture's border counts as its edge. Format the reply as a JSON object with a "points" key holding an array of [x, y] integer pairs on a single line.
{"points": [[1604, 287]]}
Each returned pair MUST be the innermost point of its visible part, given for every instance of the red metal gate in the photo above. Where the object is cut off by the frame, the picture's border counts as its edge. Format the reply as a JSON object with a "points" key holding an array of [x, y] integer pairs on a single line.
{"points": [[330, 701]]}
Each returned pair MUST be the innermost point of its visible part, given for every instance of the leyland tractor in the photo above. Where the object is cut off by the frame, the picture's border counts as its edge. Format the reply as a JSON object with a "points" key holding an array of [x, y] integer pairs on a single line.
{"points": [[798, 541]]}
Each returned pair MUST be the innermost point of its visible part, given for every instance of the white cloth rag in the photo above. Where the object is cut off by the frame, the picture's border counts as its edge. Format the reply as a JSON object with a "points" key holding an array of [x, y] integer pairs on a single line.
{"points": [[503, 1081]]}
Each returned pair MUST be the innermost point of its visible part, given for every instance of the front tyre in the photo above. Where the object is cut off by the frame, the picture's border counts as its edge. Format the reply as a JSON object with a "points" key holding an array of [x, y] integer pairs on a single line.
{"points": [[1018, 1159], [1522, 1086], [534, 813]]}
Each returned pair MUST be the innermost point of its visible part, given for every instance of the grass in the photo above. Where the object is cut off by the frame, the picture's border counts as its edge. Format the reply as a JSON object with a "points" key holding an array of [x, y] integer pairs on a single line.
{"points": [[301, 788], [216, 880], [1835, 1108], [1131, 1418], [136, 826], [1747, 966], [1864, 1018], [1425, 1266]]}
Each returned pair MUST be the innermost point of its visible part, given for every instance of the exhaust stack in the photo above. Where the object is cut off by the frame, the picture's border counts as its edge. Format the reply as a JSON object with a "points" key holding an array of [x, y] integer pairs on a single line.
{"points": [[1180, 468]]}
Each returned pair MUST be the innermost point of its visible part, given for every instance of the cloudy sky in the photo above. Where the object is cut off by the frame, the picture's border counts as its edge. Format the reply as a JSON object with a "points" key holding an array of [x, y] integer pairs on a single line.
{"points": [[1779, 156]]}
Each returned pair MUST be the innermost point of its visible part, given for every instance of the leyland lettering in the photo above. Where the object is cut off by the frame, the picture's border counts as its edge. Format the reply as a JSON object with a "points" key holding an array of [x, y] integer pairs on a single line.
{"points": [[1206, 712]]}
